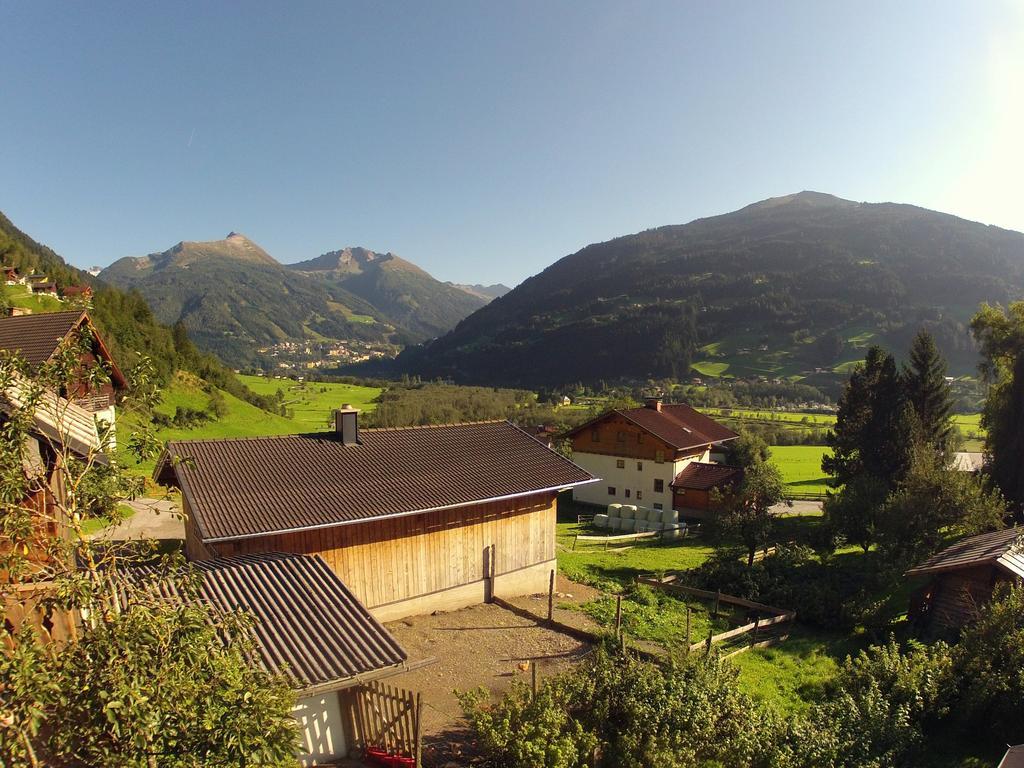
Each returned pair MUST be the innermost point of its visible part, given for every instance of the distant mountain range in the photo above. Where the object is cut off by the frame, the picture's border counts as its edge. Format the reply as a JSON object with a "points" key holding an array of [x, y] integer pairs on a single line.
{"points": [[487, 292], [792, 286], [234, 297]]}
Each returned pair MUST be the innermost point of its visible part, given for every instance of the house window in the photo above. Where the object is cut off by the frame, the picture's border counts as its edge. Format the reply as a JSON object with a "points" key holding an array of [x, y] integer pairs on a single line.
{"points": [[659, 486], [659, 457], [639, 495], [620, 464], [639, 466], [658, 505], [595, 435], [611, 490], [627, 493], [620, 436]]}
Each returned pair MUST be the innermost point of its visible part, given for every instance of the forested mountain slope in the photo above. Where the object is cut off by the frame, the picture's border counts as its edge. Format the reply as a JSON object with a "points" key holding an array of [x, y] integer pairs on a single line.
{"points": [[402, 292], [782, 287], [123, 317]]}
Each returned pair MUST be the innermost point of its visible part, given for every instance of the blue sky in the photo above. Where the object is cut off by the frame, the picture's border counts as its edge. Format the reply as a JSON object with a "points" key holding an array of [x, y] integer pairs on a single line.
{"points": [[484, 141]]}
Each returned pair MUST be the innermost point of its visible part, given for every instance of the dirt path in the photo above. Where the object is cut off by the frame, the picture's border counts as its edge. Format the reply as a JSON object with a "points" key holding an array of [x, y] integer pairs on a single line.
{"points": [[483, 645]]}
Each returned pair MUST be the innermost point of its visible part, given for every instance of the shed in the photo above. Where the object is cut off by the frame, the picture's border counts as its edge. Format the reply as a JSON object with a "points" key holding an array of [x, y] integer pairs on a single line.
{"points": [[309, 627], [692, 488], [962, 578], [413, 520]]}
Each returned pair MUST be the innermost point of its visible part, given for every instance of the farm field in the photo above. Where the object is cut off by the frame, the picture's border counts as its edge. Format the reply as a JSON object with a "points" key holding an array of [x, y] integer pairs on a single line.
{"points": [[311, 403], [800, 466]]}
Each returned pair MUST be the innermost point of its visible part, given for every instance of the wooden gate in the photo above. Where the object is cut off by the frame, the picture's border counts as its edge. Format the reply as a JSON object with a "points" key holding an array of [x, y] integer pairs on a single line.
{"points": [[388, 719]]}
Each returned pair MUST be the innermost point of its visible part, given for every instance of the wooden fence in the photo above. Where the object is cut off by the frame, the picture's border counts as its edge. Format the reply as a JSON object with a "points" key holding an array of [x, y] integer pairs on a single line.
{"points": [[775, 623], [389, 718]]}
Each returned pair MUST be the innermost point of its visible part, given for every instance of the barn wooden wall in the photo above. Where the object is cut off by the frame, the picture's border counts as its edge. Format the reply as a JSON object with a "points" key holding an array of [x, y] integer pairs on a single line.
{"points": [[387, 560]]}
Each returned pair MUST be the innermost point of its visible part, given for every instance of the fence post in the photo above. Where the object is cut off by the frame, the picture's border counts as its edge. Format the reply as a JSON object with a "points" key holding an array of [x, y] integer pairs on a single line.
{"points": [[718, 599], [533, 677], [688, 611], [711, 633], [618, 615], [551, 596], [418, 731], [753, 635]]}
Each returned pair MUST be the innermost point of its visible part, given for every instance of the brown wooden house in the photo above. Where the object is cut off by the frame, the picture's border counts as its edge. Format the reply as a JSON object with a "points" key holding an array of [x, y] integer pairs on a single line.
{"points": [[37, 338], [59, 429], [413, 520], [640, 452], [962, 578]]}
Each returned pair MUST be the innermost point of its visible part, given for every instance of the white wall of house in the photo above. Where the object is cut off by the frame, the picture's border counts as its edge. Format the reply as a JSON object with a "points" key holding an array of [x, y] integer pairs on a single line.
{"points": [[321, 729], [629, 478]]}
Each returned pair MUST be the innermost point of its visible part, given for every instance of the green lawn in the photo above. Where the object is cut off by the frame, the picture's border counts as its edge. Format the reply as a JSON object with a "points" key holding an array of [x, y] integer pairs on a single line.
{"points": [[801, 467], [612, 571], [311, 403], [789, 675]]}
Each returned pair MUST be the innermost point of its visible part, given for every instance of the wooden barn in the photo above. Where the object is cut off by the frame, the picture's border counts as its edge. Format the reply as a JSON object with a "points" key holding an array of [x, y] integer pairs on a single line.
{"points": [[310, 628], [413, 520], [962, 578]]}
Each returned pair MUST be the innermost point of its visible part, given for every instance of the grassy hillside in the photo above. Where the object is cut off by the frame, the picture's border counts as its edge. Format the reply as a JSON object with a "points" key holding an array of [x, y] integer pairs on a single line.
{"points": [[310, 404]]}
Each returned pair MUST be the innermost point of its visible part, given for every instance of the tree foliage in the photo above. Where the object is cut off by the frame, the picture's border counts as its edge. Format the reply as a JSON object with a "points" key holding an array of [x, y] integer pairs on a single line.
{"points": [[1000, 334], [137, 680], [931, 396]]}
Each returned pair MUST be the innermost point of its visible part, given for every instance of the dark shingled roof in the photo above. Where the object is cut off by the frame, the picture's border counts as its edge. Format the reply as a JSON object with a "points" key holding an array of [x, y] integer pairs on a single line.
{"points": [[1002, 548], [677, 424], [36, 337], [699, 476], [244, 487], [308, 625]]}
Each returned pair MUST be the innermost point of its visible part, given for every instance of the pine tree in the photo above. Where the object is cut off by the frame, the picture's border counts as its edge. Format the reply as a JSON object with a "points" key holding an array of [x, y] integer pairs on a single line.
{"points": [[875, 431], [924, 380]]}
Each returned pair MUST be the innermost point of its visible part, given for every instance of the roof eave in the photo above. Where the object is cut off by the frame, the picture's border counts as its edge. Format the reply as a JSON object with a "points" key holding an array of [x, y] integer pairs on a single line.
{"points": [[337, 524]]}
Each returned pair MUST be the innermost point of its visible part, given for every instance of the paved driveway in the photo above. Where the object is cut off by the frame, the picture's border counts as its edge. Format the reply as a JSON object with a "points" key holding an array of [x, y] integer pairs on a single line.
{"points": [[153, 519]]}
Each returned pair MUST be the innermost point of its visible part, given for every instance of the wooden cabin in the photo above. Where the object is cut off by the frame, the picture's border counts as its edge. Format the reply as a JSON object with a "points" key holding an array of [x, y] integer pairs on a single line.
{"points": [[962, 578], [412, 520], [38, 337], [640, 452], [310, 628]]}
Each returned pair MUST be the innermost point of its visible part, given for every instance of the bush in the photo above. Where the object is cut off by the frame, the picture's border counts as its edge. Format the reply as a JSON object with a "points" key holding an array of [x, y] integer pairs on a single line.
{"points": [[614, 710]]}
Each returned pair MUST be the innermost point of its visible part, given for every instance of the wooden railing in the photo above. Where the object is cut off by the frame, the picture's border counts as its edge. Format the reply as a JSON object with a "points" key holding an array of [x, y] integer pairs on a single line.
{"points": [[775, 618]]}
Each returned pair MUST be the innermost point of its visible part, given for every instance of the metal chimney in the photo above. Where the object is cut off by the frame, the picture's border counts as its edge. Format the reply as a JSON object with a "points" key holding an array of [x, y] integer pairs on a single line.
{"points": [[346, 424]]}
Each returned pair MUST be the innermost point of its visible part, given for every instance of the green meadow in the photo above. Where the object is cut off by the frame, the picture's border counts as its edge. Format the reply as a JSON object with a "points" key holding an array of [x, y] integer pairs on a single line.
{"points": [[311, 403]]}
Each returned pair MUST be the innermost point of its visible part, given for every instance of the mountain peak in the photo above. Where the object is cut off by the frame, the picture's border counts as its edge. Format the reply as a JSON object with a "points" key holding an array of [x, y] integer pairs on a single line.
{"points": [[806, 199]]}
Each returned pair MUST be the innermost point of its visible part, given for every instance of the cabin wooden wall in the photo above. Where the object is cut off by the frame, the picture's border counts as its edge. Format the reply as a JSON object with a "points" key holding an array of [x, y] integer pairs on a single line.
{"points": [[956, 597], [394, 559]]}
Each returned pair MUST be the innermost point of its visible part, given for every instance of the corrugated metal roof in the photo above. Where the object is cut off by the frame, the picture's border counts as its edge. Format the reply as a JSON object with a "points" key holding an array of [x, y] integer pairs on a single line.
{"points": [[56, 418], [254, 486], [308, 625], [1004, 548], [701, 476]]}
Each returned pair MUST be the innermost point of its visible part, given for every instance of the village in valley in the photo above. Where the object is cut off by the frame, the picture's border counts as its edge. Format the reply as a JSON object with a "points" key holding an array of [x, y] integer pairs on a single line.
{"points": [[644, 452]]}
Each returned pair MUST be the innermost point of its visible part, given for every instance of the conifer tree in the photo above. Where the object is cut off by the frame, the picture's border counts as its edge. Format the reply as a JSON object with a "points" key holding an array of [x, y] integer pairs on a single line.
{"points": [[924, 380]]}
